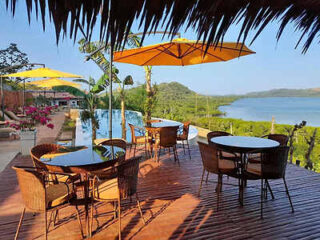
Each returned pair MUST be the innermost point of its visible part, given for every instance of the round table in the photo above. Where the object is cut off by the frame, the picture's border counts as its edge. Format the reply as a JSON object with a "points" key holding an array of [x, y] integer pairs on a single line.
{"points": [[243, 145], [83, 160]]}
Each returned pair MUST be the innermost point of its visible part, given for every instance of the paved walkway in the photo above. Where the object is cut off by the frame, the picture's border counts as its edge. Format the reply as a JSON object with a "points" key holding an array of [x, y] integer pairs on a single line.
{"points": [[10, 149]]}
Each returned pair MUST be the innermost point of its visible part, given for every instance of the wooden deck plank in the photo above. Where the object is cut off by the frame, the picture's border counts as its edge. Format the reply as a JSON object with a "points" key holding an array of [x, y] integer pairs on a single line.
{"points": [[173, 210]]}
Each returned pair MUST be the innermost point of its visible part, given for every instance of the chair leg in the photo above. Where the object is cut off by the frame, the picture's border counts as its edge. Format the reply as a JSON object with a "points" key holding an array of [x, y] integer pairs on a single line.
{"points": [[184, 151], [20, 223], [261, 199], [176, 154], [287, 191], [45, 225], [218, 200], [134, 150], [119, 216], [200, 187], [91, 216], [189, 149], [139, 207], [79, 220], [207, 178], [55, 217], [269, 188]]}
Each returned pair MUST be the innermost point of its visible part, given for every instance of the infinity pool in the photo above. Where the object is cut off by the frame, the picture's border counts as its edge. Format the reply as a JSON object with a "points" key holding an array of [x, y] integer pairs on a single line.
{"points": [[83, 130]]}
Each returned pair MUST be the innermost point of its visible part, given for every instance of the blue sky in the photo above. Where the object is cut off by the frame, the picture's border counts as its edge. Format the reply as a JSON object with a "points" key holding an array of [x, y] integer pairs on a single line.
{"points": [[276, 64]]}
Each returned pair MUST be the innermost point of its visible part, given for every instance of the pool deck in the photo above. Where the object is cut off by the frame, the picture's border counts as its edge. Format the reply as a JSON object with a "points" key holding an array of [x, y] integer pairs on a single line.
{"points": [[173, 210], [10, 149]]}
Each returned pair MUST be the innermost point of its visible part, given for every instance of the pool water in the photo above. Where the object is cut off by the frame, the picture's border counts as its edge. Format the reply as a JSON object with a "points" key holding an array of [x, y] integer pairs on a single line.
{"points": [[83, 129]]}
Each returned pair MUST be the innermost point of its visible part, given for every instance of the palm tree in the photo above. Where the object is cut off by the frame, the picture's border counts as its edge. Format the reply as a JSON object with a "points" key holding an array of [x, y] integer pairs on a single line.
{"points": [[135, 41], [121, 89], [89, 106], [99, 58]]}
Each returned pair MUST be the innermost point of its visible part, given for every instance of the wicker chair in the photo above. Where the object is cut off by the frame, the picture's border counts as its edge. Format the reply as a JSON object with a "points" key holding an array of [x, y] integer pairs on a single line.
{"points": [[138, 139], [272, 166], [118, 142], [115, 190], [40, 197], [183, 137], [216, 134], [214, 164], [223, 155], [280, 138], [167, 138], [38, 151]]}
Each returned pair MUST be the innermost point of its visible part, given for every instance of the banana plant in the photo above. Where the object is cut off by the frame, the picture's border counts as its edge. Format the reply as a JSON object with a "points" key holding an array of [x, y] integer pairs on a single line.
{"points": [[90, 103], [100, 59], [135, 41]]}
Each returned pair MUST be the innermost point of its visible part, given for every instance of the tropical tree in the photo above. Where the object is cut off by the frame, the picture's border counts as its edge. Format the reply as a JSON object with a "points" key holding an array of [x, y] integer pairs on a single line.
{"points": [[89, 106], [99, 58], [135, 41], [121, 89]]}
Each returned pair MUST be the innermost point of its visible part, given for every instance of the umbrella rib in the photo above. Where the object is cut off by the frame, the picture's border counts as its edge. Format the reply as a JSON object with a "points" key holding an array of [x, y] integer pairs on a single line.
{"points": [[234, 49], [160, 51], [133, 54], [200, 48], [186, 53]]}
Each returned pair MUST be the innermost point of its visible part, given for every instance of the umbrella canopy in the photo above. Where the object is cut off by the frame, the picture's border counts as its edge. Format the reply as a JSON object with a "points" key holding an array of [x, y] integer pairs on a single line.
{"points": [[53, 82], [43, 72], [181, 52]]}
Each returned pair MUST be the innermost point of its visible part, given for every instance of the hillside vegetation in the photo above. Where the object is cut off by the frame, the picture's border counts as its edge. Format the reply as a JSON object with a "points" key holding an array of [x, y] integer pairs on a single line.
{"points": [[177, 102], [283, 92]]}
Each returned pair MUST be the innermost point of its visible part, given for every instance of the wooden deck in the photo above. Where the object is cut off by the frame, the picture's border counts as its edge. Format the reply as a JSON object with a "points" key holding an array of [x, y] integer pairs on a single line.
{"points": [[174, 211]]}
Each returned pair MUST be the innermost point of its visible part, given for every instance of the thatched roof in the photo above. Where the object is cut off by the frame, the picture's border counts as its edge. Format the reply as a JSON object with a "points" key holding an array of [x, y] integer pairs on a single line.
{"points": [[209, 18]]}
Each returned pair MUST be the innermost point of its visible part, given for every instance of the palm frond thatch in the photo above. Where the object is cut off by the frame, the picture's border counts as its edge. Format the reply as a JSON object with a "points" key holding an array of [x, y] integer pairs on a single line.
{"points": [[209, 18]]}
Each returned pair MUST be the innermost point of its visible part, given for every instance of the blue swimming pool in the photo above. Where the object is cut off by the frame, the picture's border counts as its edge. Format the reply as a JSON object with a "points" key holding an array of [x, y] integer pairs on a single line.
{"points": [[83, 130]]}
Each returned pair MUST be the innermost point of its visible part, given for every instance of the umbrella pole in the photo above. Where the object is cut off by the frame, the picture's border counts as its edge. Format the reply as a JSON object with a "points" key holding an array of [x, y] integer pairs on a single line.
{"points": [[110, 92], [2, 98], [110, 98], [24, 96]]}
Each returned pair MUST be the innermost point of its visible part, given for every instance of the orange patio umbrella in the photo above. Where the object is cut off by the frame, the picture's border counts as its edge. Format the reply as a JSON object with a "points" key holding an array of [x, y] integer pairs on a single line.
{"points": [[181, 52]]}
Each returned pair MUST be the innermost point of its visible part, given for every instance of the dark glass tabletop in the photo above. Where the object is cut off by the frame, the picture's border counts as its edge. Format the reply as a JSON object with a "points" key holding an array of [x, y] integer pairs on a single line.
{"points": [[82, 156], [244, 143]]}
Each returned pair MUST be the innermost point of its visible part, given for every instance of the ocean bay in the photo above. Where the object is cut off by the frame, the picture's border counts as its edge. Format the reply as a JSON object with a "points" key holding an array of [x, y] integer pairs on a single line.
{"points": [[285, 110]]}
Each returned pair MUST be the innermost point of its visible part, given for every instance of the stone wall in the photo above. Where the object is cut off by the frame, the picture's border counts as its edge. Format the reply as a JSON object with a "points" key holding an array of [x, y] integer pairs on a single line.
{"points": [[14, 99]]}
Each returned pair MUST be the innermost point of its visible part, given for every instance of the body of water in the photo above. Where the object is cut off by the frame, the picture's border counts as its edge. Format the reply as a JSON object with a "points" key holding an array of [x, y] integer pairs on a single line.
{"points": [[83, 129], [286, 110]]}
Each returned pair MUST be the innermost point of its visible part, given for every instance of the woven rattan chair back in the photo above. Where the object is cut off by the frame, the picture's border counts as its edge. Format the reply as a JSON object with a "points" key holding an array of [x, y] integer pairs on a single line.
{"points": [[118, 142], [185, 130], [274, 162], [280, 138], [133, 133], [32, 188], [38, 151], [168, 136], [128, 177], [209, 157], [216, 134]]}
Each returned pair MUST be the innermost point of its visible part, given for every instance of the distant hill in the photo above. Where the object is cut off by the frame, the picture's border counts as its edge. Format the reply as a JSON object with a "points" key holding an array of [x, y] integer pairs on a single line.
{"points": [[284, 92]]}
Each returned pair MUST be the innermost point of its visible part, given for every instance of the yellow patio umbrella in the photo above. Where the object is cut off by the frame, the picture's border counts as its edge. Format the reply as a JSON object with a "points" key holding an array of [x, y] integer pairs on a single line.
{"points": [[43, 73], [181, 52], [53, 82]]}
